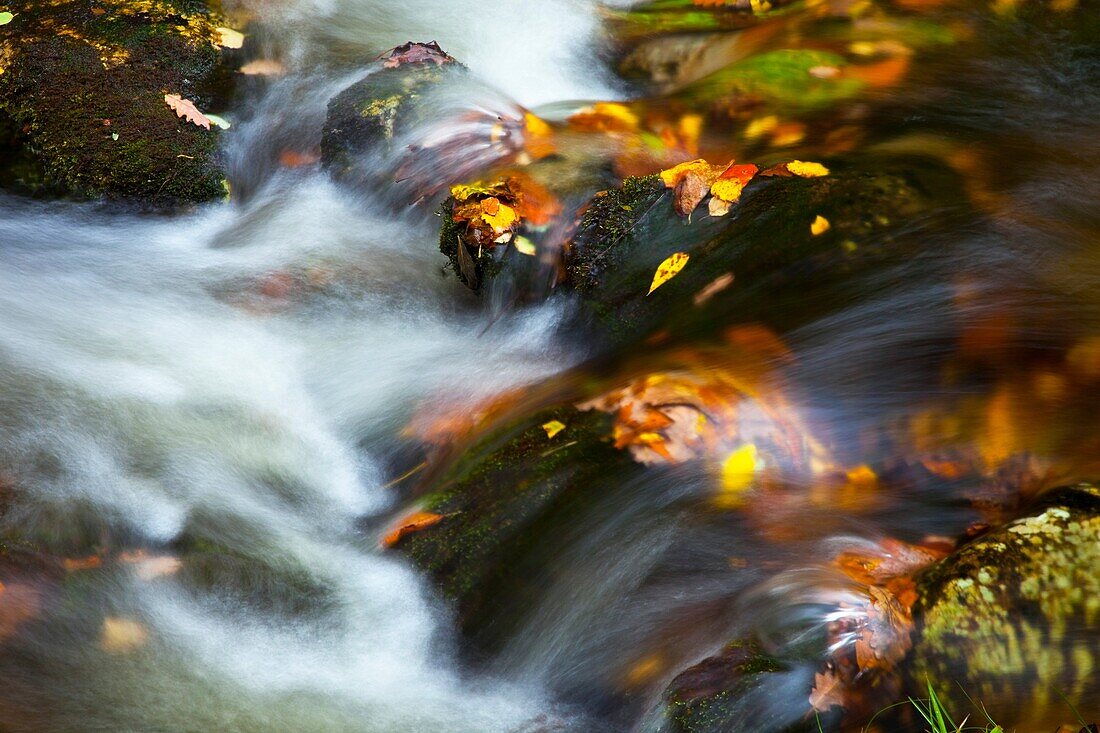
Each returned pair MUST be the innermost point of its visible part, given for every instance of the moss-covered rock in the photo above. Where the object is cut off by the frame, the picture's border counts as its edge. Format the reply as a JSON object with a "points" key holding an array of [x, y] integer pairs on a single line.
{"points": [[740, 689], [370, 113], [783, 274], [83, 86], [506, 504], [1013, 618]]}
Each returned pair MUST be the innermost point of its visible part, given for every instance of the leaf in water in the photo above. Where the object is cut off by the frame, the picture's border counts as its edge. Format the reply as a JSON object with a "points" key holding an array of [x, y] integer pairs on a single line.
{"points": [[229, 38], [553, 427], [150, 567], [19, 603], [807, 170], [886, 638], [738, 473], [605, 117], [6, 17], [716, 286], [412, 523], [668, 269], [828, 691], [122, 635], [524, 246], [219, 121], [820, 225], [186, 109], [263, 67]]}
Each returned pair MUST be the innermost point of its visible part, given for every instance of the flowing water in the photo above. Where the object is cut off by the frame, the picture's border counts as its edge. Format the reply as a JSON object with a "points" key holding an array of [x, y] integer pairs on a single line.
{"points": [[169, 389]]}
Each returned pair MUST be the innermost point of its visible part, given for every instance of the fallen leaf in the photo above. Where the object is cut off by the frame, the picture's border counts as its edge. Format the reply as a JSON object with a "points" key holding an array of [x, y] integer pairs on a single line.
{"points": [[716, 286], [828, 691], [229, 38], [19, 602], [738, 473], [497, 215], [886, 637], [121, 635], [690, 182], [524, 246], [553, 427], [731, 182], [219, 121], [605, 117], [668, 269], [186, 109], [263, 67], [415, 53], [297, 159], [412, 523], [820, 225], [807, 170], [150, 567], [6, 17], [72, 564], [538, 137]]}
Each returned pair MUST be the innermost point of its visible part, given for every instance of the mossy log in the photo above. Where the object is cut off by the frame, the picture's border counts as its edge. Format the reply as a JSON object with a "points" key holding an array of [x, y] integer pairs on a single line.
{"points": [[83, 88], [1013, 618]]}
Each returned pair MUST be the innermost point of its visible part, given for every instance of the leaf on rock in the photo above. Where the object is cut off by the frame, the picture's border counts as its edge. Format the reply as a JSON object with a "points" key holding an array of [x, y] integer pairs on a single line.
{"points": [[690, 183], [886, 638], [807, 170], [415, 53], [6, 17], [229, 38], [726, 189], [819, 226], [412, 523], [553, 427], [186, 109], [714, 287], [497, 215], [668, 269]]}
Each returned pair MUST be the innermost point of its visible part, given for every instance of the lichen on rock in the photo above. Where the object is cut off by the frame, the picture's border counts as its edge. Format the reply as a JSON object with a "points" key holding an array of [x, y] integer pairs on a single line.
{"points": [[1013, 617]]}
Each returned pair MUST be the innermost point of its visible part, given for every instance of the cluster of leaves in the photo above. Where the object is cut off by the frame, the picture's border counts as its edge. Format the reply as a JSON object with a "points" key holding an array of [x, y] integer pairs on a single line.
{"points": [[487, 217], [693, 181]]}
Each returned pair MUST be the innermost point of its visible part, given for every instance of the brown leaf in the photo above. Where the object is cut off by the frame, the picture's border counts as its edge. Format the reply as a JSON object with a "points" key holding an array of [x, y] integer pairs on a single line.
{"points": [[886, 637], [415, 53], [828, 691], [466, 265], [186, 109]]}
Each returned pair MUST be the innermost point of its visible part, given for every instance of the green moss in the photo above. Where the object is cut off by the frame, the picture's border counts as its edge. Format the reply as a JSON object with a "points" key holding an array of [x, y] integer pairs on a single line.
{"points": [[74, 79], [781, 78], [508, 503]]}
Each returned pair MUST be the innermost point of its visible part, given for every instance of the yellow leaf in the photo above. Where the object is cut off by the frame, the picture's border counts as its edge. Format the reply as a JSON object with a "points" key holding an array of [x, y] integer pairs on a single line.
{"points": [[760, 127], [738, 472], [121, 635], [497, 215], [553, 427], [807, 170], [733, 180], [229, 38], [820, 225], [668, 269], [464, 191], [672, 176], [525, 247]]}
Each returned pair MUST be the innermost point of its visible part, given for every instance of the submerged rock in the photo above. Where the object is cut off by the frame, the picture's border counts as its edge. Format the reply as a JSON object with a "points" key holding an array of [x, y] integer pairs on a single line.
{"points": [[83, 90], [1013, 618], [741, 689], [506, 506], [763, 261]]}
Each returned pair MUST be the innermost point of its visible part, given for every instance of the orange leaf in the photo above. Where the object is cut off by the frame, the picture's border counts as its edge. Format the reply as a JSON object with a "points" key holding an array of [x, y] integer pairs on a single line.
{"points": [[186, 109], [412, 523]]}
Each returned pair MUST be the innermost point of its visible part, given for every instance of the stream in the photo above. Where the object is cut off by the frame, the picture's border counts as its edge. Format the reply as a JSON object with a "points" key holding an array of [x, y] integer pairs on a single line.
{"points": [[227, 443]]}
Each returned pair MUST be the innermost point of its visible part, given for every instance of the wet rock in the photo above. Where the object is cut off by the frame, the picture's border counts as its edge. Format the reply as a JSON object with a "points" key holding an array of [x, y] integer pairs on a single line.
{"points": [[1013, 618], [740, 689], [370, 113], [83, 88], [507, 505], [762, 261]]}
